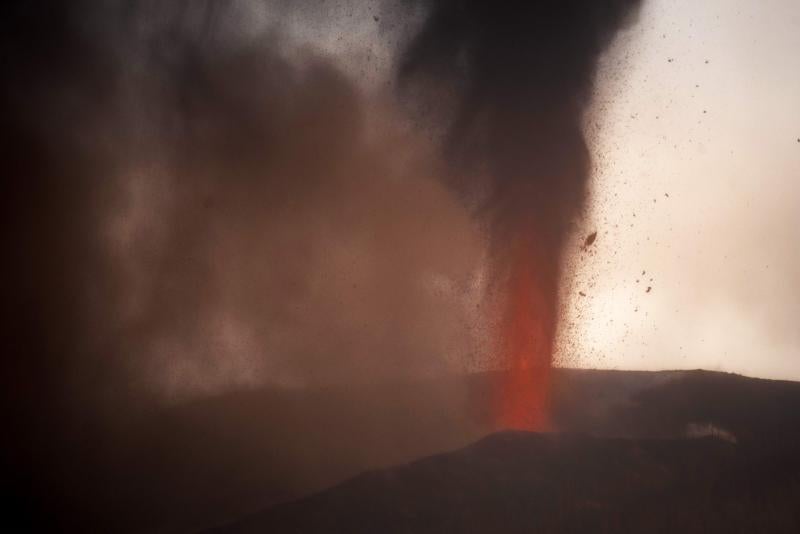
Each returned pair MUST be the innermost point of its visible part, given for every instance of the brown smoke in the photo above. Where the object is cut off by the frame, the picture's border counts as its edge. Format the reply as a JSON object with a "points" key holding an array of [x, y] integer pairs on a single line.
{"points": [[189, 210]]}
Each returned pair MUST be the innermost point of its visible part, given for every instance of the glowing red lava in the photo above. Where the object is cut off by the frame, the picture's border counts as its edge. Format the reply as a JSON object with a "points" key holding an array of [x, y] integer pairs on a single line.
{"points": [[525, 345]]}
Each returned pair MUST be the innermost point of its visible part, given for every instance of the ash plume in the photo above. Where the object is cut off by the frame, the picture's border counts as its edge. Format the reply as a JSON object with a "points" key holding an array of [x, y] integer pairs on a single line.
{"points": [[515, 79]]}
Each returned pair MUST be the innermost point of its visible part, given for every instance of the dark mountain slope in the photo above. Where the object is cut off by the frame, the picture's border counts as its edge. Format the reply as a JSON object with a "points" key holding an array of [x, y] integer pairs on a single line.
{"points": [[525, 482], [631, 468]]}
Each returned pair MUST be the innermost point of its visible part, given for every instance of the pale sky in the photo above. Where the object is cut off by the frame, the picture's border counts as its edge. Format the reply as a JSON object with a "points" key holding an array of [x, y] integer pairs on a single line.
{"points": [[699, 101]]}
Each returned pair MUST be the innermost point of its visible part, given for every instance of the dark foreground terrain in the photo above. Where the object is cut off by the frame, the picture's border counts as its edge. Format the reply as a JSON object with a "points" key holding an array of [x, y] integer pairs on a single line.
{"points": [[525, 482], [721, 455], [689, 451]]}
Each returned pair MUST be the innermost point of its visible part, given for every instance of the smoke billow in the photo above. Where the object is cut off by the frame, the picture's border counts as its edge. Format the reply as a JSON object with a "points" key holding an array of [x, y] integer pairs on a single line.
{"points": [[520, 75], [194, 194], [193, 205]]}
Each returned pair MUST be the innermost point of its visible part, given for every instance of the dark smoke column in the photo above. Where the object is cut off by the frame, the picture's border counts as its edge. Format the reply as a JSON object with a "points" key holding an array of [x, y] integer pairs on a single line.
{"points": [[518, 76]]}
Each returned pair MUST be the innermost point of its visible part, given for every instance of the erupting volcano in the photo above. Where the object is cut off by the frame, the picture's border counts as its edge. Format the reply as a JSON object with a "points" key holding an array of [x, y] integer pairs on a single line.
{"points": [[257, 252]]}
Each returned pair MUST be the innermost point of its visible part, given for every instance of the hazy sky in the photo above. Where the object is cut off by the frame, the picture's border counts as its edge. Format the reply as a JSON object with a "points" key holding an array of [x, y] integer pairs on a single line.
{"points": [[696, 132]]}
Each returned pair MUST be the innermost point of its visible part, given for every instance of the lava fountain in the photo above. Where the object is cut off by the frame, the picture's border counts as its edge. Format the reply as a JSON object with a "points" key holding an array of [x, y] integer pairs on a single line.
{"points": [[524, 343]]}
